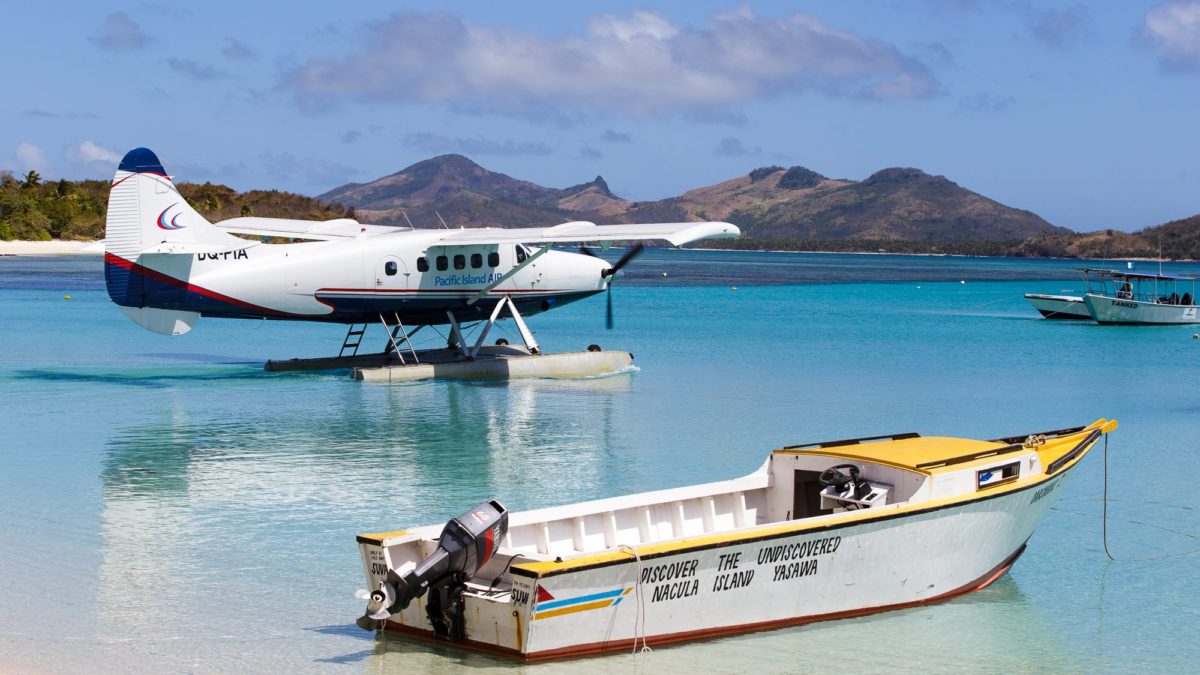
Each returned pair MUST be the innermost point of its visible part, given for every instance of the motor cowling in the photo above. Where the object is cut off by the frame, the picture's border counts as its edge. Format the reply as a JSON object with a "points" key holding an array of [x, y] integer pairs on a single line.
{"points": [[465, 545]]}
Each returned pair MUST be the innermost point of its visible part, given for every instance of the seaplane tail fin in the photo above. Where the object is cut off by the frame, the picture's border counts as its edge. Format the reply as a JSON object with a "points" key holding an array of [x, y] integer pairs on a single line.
{"points": [[148, 217], [146, 214]]}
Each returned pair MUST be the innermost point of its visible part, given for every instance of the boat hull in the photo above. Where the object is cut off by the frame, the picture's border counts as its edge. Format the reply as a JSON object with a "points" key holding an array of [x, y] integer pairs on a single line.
{"points": [[764, 577], [1059, 306], [1108, 310]]}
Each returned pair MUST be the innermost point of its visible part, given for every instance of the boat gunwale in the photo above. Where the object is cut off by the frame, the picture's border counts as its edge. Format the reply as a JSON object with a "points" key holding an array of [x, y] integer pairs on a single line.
{"points": [[769, 531]]}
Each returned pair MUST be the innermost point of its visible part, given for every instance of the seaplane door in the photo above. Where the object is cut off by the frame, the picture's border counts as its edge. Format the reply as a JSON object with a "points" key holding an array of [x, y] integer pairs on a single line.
{"points": [[391, 274]]}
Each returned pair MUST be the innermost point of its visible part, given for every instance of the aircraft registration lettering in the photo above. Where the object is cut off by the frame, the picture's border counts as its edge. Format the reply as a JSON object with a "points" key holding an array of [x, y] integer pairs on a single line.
{"points": [[239, 254], [466, 279]]}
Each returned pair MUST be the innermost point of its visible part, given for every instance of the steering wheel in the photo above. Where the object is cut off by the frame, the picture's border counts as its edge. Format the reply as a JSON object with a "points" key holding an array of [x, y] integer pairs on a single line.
{"points": [[833, 476]]}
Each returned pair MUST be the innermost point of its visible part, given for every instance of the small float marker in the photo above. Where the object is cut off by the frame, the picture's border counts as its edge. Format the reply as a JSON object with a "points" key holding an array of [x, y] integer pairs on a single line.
{"points": [[66, 297]]}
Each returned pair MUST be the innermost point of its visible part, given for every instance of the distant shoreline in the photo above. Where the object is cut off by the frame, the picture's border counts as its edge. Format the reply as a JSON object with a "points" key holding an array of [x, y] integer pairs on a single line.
{"points": [[52, 247]]}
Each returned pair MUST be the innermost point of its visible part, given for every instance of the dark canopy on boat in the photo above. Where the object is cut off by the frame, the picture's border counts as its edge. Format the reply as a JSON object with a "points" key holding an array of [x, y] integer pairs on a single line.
{"points": [[1135, 275]]}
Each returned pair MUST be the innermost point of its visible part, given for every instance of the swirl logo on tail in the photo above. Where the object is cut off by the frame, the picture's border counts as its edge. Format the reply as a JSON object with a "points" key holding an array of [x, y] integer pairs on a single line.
{"points": [[172, 225]]}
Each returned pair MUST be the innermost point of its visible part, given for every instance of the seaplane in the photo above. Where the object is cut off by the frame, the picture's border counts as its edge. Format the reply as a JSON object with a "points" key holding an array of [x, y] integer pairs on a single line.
{"points": [[166, 266]]}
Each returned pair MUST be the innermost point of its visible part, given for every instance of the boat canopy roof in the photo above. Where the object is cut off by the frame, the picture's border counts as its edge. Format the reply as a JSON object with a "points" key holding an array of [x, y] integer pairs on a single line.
{"points": [[1135, 275], [934, 454], [924, 454]]}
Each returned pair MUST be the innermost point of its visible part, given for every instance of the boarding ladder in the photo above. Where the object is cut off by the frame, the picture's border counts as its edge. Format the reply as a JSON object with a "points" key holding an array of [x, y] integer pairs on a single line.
{"points": [[354, 337], [397, 335]]}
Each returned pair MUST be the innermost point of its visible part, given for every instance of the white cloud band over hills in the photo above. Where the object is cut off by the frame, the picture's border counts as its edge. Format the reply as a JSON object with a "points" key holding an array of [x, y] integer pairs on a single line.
{"points": [[640, 64], [1173, 28]]}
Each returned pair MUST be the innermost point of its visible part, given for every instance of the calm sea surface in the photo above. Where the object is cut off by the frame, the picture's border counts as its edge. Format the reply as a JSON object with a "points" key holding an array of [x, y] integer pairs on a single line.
{"points": [[168, 506]]}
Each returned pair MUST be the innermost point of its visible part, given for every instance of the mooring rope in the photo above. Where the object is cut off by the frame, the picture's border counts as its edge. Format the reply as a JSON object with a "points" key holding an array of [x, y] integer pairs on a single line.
{"points": [[1104, 527], [639, 619]]}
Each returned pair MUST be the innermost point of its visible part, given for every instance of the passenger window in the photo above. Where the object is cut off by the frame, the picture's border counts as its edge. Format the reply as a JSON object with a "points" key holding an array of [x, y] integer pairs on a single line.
{"points": [[389, 268], [521, 254], [476, 261], [493, 259], [460, 262], [422, 264], [442, 263]]}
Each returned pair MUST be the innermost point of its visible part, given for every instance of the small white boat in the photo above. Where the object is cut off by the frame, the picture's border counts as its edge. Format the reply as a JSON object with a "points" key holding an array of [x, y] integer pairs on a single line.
{"points": [[1116, 297], [1059, 306], [819, 531]]}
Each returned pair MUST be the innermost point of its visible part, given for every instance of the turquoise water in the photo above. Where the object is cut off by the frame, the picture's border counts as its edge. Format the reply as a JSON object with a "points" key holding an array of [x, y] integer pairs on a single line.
{"points": [[166, 505]]}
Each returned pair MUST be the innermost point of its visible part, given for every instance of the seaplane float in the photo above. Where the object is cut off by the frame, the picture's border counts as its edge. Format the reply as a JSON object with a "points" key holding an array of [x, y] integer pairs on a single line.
{"points": [[820, 531], [166, 266]]}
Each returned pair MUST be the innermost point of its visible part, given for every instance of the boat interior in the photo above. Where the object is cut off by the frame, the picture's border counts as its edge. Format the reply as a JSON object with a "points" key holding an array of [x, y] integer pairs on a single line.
{"points": [[808, 482]]}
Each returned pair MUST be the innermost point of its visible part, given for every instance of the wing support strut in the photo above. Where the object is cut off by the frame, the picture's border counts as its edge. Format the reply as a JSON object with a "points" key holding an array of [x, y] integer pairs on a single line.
{"points": [[458, 341], [399, 331], [507, 275]]}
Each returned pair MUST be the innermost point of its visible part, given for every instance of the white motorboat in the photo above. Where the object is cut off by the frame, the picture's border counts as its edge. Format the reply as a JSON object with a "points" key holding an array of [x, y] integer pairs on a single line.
{"points": [[1116, 297], [820, 531], [1059, 306]]}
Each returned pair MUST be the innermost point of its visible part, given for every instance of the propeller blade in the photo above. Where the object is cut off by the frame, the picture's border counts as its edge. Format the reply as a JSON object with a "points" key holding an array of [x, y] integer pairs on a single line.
{"points": [[362, 594], [587, 251], [608, 317], [628, 257]]}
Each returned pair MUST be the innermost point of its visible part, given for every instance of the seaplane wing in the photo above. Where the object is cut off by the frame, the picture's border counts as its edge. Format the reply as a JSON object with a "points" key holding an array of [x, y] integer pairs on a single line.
{"points": [[579, 232], [321, 230]]}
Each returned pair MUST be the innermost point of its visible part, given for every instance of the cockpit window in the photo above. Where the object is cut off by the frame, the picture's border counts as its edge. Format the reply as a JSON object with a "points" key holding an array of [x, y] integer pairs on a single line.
{"points": [[522, 253]]}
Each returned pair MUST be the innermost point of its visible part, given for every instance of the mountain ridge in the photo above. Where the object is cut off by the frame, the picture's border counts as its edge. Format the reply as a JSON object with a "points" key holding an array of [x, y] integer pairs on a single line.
{"points": [[768, 203]]}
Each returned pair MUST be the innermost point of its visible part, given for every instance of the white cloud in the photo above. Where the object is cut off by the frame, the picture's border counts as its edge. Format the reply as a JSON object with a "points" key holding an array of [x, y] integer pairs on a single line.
{"points": [[197, 71], [640, 64], [733, 147], [28, 157], [93, 158], [288, 168], [1174, 29], [119, 32], [236, 49], [1060, 27], [436, 143]]}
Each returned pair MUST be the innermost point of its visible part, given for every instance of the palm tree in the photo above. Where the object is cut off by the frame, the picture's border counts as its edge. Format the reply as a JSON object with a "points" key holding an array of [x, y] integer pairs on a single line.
{"points": [[32, 179]]}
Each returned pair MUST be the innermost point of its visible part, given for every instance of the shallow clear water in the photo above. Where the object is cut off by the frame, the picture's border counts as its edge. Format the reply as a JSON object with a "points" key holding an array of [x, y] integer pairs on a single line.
{"points": [[167, 505]]}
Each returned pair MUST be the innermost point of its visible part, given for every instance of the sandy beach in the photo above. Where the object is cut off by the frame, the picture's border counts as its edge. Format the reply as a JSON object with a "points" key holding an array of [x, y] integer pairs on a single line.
{"points": [[52, 247]]}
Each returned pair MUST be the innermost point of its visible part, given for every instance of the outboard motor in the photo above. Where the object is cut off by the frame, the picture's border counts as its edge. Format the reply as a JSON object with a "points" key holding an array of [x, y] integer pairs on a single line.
{"points": [[465, 546]]}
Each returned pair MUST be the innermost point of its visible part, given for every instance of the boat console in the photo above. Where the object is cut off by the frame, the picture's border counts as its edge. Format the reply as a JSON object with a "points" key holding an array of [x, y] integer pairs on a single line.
{"points": [[844, 490]]}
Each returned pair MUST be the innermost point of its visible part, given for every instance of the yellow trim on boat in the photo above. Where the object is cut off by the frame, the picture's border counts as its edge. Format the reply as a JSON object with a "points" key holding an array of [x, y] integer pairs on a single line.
{"points": [[1051, 450], [378, 537]]}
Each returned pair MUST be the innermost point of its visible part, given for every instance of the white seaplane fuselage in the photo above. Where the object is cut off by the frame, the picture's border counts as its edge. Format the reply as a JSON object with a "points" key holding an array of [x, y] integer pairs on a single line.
{"points": [[354, 281], [166, 265]]}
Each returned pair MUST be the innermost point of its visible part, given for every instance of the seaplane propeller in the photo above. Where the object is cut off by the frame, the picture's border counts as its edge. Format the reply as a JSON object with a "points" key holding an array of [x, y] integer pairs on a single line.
{"points": [[611, 274]]}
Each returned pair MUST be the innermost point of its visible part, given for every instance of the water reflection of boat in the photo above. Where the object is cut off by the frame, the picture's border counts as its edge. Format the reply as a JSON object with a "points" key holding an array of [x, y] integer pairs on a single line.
{"points": [[1116, 297], [820, 531], [1059, 306]]}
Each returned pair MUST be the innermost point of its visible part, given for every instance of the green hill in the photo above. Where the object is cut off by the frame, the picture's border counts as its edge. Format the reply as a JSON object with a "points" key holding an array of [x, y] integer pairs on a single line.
{"points": [[35, 210]]}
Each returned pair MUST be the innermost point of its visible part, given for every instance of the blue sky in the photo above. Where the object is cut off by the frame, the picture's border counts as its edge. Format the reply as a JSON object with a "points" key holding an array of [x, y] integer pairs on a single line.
{"points": [[1086, 114]]}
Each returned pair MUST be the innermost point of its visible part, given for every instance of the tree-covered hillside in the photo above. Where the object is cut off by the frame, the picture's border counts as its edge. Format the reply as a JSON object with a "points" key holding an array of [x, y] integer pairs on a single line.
{"points": [[37, 210]]}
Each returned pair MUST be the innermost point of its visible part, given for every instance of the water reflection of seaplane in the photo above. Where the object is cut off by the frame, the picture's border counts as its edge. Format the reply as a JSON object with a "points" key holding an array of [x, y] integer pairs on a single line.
{"points": [[166, 266]]}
